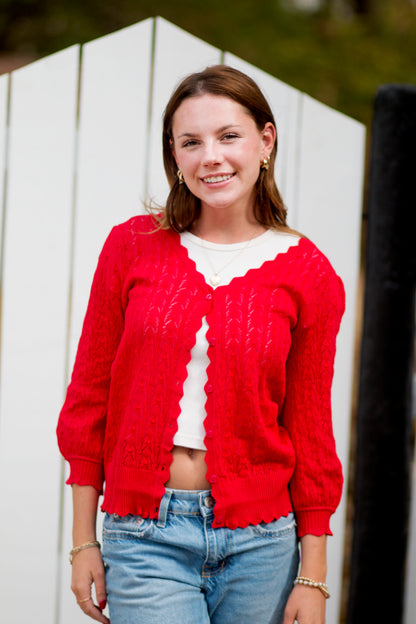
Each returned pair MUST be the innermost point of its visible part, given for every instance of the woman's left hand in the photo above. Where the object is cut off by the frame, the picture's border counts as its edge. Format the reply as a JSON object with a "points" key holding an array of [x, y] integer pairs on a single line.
{"points": [[306, 605]]}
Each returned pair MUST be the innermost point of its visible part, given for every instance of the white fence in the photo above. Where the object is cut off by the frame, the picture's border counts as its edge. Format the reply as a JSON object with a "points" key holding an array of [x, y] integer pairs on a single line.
{"points": [[80, 149]]}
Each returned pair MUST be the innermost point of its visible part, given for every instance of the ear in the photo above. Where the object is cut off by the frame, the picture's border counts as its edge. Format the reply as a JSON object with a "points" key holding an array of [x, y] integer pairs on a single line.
{"points": [[268, 138]]}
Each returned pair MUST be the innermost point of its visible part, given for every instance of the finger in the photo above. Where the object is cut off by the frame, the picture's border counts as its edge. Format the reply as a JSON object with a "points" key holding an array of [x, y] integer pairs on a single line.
{"points": [[100, 588], [89, 608], [288, 618], [86, 603], [289, 615]]}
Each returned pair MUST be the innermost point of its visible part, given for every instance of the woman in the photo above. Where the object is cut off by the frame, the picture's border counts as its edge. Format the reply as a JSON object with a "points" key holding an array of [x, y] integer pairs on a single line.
{"points": [[201, 388]]}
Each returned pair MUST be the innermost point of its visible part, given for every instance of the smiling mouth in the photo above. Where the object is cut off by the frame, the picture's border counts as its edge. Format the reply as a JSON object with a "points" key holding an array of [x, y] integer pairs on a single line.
{"points": [[218, 178]]}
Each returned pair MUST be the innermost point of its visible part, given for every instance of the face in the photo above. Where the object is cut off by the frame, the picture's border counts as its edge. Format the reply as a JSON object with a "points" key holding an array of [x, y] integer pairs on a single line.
{"points": [[218, 148]]}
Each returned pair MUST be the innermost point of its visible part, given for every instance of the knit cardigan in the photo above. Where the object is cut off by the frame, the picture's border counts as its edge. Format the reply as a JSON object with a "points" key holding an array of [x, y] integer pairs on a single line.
{"points": [[271, 346]]}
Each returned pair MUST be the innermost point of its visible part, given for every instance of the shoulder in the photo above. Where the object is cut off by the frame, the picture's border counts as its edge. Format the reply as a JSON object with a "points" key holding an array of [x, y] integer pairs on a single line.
{"points": [[138, 233], [139, 224], [317, 282], [314, 263]]}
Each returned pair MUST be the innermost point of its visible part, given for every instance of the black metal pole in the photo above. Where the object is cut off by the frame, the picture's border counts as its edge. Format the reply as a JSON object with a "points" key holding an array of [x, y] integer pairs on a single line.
{"points": [[382, 478]]}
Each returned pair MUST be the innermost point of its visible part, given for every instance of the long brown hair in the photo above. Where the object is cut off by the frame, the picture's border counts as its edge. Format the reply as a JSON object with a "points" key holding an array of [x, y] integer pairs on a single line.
{"points": [[182, 207]]}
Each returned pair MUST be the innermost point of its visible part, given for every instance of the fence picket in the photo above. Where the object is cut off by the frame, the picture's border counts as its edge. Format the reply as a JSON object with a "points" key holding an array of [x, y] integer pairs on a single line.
{"points": [[176, 54], [113, 113], [285, 103], [4, 90], [35, 295], [410, 596], [330, 180]]}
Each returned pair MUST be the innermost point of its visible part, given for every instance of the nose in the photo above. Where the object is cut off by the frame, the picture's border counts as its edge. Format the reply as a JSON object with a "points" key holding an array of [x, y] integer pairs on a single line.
{"points": [[212, 154]]}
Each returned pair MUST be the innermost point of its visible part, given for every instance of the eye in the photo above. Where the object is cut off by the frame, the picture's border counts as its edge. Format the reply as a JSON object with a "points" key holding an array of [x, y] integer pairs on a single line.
{"points": [[229, 136], [190, 143]]}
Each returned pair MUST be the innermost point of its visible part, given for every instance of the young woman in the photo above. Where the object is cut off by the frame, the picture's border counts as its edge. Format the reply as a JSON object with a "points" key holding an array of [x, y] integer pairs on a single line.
{"points": [[201, 389]]}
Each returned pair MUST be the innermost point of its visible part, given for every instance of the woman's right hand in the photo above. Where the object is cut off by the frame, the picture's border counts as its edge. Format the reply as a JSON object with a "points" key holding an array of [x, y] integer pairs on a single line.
{"points": [[88, 570]]}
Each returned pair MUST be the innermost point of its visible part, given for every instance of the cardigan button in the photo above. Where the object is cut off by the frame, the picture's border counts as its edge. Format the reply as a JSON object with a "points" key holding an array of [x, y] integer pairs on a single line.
{"points": [[208, 296], [209, 434], [213, 478], [212, 342], [209, 388]]}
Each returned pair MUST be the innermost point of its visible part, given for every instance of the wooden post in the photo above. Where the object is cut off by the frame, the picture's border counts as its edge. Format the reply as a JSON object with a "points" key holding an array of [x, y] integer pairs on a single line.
{"points": [[382, 479]]}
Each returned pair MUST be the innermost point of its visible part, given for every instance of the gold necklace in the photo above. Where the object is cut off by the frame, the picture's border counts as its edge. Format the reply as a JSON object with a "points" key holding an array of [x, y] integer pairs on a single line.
{"points": [[215, 278]]}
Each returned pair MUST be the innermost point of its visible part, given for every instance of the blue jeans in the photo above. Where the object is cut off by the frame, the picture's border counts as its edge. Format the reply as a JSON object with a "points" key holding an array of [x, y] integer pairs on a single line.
{"points": [[178, 569]]}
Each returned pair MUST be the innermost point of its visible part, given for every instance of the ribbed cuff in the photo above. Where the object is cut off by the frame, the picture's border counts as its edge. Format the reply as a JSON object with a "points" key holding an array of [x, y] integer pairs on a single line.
{"points": [[313, 522], [86, 472]]}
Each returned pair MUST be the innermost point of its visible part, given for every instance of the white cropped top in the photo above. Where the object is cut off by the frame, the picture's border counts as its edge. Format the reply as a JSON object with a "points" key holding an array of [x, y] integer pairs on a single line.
{"points": [[219, 264]]}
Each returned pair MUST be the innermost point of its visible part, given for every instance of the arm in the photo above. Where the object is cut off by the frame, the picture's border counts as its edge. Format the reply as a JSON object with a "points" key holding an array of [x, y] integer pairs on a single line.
{"points": [[316, 483], [82, 421], [307, 604], [87, 565]]}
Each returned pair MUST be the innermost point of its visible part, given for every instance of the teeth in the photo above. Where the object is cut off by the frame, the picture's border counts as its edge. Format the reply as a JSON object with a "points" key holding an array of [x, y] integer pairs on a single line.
{"points": [[220, 178]]}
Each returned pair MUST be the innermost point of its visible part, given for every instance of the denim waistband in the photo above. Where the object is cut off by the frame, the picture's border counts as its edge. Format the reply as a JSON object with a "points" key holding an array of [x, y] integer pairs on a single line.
{"points": [[185, 502]]}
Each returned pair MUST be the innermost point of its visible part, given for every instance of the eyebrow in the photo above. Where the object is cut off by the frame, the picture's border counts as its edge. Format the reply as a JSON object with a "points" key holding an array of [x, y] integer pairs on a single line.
{"points": [[222, 129]]}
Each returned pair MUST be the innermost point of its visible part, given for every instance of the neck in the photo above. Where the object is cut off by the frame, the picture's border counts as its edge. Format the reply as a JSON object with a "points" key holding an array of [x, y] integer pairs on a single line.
{"points": [[226, 229]]}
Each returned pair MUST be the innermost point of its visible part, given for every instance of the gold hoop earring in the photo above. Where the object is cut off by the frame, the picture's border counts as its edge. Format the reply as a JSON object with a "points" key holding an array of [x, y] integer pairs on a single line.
{"points": [[264, 164], [180, 176]]}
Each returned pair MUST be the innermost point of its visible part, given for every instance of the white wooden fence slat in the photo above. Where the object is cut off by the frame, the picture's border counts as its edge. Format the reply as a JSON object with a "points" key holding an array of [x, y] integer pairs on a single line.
{"points": [[176, 54], [115, 78], [410, 597], [4, 89], [330, 181], [35, 298], [285, 104], [114, 108]]}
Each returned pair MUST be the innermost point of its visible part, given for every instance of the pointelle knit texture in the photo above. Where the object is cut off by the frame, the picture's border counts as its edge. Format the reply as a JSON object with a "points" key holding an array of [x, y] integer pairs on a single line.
{"points": [[272, 340]]}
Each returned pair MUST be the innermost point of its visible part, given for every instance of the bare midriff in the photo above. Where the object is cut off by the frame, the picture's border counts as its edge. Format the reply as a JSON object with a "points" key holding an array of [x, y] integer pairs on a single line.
{"points": [[188, 469]]}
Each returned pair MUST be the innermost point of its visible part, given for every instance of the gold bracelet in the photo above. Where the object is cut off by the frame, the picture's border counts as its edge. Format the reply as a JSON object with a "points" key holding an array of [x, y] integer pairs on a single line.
{"points": [[77, 549], [304, 580]]}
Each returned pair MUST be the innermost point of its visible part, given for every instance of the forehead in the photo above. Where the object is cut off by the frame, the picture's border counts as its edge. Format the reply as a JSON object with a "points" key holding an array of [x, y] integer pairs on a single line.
{"points": [[209, 111]]}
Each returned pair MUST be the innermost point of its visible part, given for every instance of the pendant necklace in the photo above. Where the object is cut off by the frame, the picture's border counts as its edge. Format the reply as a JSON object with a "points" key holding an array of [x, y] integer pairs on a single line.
{"points": [[215, 278]]}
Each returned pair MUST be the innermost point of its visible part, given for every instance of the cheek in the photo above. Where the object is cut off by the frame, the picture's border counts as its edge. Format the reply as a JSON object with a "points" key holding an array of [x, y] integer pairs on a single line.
{"points": [[187, 163]]}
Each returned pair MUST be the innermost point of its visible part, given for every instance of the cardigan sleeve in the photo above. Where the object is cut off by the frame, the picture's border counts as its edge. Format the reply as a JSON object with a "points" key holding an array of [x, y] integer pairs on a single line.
{"points": [[82, 421], [316, 484]]}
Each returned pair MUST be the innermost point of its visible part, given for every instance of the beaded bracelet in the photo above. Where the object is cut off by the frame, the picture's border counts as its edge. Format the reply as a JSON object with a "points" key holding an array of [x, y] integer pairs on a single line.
{"points": [[77, 549], [304, 580]]}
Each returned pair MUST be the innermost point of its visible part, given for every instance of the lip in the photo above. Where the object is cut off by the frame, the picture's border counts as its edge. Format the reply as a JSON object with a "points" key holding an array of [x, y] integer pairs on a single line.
{"points": [[217, 178]]}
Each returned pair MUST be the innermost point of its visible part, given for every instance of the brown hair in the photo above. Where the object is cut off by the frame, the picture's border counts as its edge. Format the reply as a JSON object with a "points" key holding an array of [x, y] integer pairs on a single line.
{"points": [[182, 207]]}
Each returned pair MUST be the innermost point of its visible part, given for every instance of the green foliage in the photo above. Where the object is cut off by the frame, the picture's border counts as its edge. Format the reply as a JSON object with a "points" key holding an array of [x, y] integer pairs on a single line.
{"points": [[335, 56]]}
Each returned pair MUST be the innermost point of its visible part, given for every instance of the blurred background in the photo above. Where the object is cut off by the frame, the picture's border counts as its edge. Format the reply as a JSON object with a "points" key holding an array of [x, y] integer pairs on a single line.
{"points": [[337, 51]]}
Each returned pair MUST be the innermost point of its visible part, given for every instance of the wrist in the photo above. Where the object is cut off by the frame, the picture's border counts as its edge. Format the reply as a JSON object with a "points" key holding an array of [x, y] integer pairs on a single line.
{"points": [[313, 557], [313, 584], [81, 547], [317, 575]]}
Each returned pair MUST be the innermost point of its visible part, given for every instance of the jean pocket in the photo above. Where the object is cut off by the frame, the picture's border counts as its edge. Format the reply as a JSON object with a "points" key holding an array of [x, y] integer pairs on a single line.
{"points": [[126, 527], [285, 526]]}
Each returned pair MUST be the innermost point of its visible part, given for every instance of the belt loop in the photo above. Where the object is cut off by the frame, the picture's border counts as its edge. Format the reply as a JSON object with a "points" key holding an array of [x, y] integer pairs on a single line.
{"points": [[163, 509]]}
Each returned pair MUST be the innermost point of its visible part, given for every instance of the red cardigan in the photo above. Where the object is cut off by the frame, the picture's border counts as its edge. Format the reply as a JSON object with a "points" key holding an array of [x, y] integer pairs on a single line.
{"points": [[271, 337]]}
